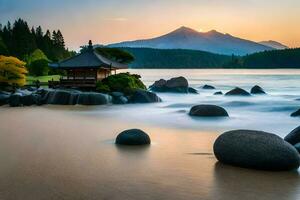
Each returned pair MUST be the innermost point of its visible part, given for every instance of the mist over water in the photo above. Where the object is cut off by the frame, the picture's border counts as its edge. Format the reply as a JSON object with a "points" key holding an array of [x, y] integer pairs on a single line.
{"points": [[269, 112]]}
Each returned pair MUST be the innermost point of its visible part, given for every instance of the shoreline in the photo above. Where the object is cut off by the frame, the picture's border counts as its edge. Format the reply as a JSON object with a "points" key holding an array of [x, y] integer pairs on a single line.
{"points": [[48, 153]]}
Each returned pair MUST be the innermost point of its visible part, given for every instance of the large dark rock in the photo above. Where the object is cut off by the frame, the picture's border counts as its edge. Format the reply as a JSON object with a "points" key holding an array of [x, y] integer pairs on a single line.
{"points": [[256, 150], [176, 85], [208, 111], [294, 136], [93, 98], [32, 99], [296, 113], [208, 87], [15, 100], [133, 137], [238, 92], [61, 97], [143, 96], [257, 90]]}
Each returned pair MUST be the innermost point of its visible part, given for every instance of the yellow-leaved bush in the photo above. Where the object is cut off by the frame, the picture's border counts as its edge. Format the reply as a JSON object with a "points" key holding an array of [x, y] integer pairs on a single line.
{"points": [[12, 71]]}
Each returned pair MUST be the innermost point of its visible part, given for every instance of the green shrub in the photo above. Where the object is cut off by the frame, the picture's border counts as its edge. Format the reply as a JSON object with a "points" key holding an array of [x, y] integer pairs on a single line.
{"points": [[100, 87], [39, 68], [124, 82]]}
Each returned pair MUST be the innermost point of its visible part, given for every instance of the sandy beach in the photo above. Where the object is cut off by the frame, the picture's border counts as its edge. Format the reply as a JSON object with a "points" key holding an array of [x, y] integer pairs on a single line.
{"points": [[57, 152]]}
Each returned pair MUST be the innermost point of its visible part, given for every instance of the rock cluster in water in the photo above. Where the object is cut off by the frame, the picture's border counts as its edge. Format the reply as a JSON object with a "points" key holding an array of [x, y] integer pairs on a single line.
{"points": [[175, 85], [256, 150], [133, 137], [208, 111], [296, 113], [73, 97]]}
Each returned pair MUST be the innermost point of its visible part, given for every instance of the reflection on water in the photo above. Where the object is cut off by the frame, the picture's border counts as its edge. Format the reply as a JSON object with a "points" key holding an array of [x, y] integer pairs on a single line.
{"points": [[68, 152]]}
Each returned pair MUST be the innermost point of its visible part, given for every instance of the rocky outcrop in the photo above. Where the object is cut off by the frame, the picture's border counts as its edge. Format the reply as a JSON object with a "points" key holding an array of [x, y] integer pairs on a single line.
{"points": [[133, 137], [175, 85], [296, 113], [208, 111], [144, 96], [257, 90], [238, 92], [294, 136], [256, 150]]}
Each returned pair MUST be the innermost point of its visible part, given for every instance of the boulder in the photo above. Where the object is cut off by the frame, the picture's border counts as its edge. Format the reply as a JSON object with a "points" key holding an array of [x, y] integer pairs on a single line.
{"points": [[218, 93], [208, 111], [61, 97], [257, 90], [32, 99], [133, 137], [192, 90], [297, 146], [238, 92], [255, 150], [208, 87], [4, 98], [92, 98], [143, 96], [176, 85], [15, 100], [294, 136], [296, 113]]}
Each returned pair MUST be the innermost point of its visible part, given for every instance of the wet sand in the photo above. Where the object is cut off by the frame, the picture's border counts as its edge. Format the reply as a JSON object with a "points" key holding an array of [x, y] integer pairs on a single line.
{"points": [[61, 153]]}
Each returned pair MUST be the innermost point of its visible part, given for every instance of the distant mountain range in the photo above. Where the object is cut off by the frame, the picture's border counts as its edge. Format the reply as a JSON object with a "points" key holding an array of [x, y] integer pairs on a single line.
{"points": [[274, 44], [212, 41]]}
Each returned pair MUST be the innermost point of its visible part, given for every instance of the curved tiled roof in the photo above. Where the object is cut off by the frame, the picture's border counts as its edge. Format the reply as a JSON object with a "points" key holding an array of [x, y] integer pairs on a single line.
{"points": [[88, 59]]}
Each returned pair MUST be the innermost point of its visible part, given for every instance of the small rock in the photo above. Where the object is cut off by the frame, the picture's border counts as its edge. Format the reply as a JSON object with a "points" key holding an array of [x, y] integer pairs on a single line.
{"points": [[208, 111], [256, 150], [257, 90], [133, 137], [208, 87], [218, 93], [192, 90], [296, 113], [238, 92], [294, 136]]}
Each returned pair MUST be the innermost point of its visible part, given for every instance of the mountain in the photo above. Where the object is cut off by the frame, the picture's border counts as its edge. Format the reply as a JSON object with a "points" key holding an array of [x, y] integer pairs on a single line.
{"points": [[274, 44], [175, 58], [187, 38]]}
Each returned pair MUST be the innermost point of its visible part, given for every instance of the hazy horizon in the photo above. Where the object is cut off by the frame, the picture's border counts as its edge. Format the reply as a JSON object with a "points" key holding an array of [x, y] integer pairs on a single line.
{"points": [[113, 21]]}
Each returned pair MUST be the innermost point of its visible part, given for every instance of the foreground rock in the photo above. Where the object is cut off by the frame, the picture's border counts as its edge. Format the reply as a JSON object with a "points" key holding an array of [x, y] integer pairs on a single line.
{"points": [[208, 111], [256, 150], [296, 113], [257, 90], [294, 136], [143, 96], [208, 87], [176, 85], [133, 137], [238, 92], [4, 98]]}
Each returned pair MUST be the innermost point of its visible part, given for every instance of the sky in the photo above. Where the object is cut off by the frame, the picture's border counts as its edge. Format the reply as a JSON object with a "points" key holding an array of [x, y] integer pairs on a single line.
{"points": [[110, 21]]}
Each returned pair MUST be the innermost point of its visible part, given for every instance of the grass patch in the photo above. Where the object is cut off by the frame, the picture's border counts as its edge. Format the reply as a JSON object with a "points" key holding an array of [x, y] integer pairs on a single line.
{"points": [[43, 79]]}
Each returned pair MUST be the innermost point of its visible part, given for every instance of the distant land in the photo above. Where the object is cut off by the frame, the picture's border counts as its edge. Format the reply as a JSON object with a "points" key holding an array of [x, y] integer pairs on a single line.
{"points": [[181, 59], [274, 44], [212, 41]]}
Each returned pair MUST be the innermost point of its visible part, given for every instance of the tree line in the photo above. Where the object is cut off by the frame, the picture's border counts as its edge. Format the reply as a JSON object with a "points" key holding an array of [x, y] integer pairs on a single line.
{"points": [[19, 40]]}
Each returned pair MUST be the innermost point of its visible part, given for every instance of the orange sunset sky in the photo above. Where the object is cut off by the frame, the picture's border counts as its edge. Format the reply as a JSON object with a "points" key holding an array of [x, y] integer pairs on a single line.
{"points": [[117, 20]]}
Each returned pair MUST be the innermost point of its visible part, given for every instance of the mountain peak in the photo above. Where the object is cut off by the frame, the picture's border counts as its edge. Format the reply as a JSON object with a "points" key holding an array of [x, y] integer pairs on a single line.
{"points": [[184, 29]]}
